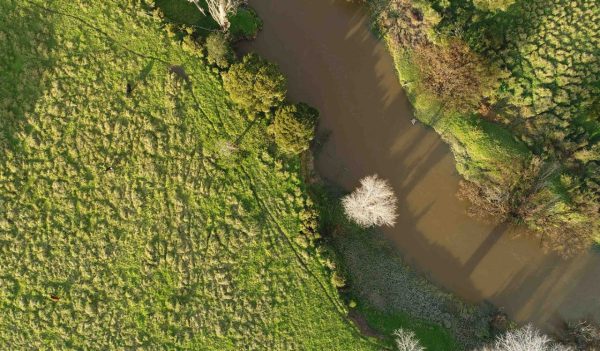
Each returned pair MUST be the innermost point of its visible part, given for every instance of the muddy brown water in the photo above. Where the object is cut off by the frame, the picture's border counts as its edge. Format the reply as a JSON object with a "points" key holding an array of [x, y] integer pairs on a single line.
{"points": [[334, 62]]}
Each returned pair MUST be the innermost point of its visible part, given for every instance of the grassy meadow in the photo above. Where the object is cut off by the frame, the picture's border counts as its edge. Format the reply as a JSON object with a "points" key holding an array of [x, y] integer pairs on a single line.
{"points": [[140, 209]]}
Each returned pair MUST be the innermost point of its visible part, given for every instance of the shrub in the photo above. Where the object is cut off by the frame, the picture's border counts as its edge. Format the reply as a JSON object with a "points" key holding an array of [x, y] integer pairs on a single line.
{"points": [[218, 50], [294, 127], [454, 74], [338, 280], [584, 334], [255, 84], [245, 24]]}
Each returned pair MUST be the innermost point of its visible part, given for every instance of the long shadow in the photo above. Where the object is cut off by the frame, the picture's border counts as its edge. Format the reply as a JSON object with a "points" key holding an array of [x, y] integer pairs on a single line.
{"points": [[485, 247], [554, 291], [26, 54]]}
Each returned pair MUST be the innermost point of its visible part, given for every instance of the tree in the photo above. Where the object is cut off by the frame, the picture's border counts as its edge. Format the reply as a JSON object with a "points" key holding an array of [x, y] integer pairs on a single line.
{"points": [[255, 84], [526, 338], [527, 197], [406, 340], [584, 334], [454, 74], [220, 9], [294, 127], [218, 51], [373, 203]]}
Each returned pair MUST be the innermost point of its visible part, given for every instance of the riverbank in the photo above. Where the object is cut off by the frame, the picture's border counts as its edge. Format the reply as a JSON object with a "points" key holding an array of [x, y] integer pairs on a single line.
{"points": [[381, 288], [512, 172], [338, 66]]}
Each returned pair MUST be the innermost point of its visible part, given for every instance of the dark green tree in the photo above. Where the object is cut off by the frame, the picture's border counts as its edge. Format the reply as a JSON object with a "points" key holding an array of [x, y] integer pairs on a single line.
{"points": [[218, 50], [255, 84], [294, 127]]}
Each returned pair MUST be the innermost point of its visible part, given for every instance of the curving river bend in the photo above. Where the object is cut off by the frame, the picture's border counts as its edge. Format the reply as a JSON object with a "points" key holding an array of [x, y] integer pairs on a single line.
{"points": [[333, 62]]}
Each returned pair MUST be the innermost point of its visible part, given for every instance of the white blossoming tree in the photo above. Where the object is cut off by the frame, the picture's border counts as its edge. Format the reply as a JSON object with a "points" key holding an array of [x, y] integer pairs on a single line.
{"points": [[406, 340], [220, 9], [526, 338], [372, 204]]}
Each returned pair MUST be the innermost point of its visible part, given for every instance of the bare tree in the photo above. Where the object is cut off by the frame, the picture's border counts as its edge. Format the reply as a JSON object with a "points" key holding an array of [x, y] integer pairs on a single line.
{"points": [[373, 203], [406, 340], [526, 338], [220, 9]]}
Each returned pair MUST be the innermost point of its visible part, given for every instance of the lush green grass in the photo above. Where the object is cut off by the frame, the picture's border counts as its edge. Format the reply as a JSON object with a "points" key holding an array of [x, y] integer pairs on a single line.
{"points": [[185, 12], [245, 23], [432, 337], [128, 221]]}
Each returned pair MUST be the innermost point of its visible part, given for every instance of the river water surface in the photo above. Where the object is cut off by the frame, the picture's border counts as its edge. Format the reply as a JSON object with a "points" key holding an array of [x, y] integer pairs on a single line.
{"points": [[333, 62]]}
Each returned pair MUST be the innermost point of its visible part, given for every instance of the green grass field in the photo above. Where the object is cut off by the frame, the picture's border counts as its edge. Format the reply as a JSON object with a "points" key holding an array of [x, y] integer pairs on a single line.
{"points": [[127, 220]]}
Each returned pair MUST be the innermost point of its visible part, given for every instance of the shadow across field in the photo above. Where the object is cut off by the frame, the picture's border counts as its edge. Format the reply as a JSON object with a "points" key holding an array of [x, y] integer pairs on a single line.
{"points": [[25, 53]]}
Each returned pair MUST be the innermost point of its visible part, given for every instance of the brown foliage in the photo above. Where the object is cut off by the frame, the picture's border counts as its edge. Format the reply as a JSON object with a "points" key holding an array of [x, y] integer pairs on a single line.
{"points": [[454, 74], [525, 199], [585, 335], [485, 202], [405, 24]]}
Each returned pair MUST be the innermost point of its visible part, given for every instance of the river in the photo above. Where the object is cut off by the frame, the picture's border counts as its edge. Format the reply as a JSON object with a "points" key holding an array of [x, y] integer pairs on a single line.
{"points": [[334, 62]]}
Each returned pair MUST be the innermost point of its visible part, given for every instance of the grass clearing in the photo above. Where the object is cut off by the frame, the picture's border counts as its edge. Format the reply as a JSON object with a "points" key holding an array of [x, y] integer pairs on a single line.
{"points": [[432, 337], [124, 224]]}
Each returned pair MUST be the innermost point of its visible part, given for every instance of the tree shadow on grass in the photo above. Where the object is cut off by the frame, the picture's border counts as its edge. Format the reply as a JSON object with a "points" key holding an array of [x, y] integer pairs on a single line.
{"points": [[25, 53]]}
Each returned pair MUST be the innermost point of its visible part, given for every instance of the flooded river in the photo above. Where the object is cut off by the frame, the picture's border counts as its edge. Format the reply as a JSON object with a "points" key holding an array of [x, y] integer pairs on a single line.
{"points": [[333, 62]]}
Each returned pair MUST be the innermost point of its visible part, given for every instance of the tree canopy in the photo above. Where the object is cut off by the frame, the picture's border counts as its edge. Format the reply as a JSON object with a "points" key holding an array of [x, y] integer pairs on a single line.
{"points": [[294, 127], [255, 84], [218, 50], [454, 74]]}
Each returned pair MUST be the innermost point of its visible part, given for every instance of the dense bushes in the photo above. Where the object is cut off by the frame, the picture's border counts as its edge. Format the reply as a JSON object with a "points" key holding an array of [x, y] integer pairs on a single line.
{"points": [[294, 127], [454, 74], [493, 5]]}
